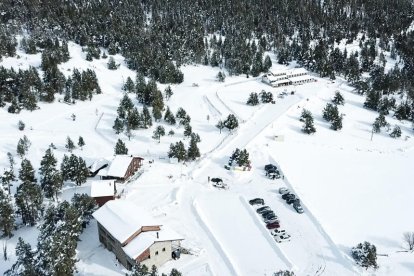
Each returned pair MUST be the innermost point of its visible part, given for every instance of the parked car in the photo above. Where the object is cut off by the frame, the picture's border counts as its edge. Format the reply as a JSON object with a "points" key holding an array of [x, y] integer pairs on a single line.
{"points": [[282, 238], [263, 209], [277, 232], [271, 220], [270, 216], [298, 208], [273, 225], [270, 167], [288, 196], [292, 200], [227, 167], [283, 190], [273, 174], [256, 201], [280, 96], [266, 213]]}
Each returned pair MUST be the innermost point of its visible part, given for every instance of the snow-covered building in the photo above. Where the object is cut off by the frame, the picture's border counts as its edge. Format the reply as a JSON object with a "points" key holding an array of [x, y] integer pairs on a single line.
{"points": [[294, 76], [103, 191], [134, 236], [122, 167]]}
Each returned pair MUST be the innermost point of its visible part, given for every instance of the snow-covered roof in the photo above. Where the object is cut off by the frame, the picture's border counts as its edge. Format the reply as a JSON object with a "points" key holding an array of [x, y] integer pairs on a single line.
{"points": [[298, 71], [102, 188], [122, 218], [278, 72], [98, 164], [145, 239], [119, 165], [103, 172], [282, 81], [301, 78]]}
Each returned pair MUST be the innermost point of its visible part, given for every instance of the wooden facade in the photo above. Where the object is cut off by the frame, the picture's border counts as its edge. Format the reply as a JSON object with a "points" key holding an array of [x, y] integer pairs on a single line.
{"points": [[133, 167], [103, 199]]}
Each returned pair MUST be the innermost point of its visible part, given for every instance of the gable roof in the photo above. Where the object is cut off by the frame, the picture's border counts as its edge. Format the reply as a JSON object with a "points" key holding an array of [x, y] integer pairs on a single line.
{"points": [[145, 239], [122, 218], [102, 188], [119, 165]]}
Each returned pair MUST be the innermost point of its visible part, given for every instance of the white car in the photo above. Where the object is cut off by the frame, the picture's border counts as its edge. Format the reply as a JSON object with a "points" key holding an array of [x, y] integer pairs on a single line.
{"points": [[278, 232], [282, 238], [220, 185], [283, 190]]}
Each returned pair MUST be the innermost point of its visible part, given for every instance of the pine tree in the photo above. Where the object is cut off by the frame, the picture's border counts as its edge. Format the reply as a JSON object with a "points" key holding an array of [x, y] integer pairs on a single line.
{"points": [[372, 100], [169, 117], [187, 130], [365, 255], [231, 122], [338, 99], [396, 132], [243, 158], [221, 76], [267, 64], [193, 152], [253, 99], [21, 125], [177, 151], [133, 120], [181, 113], [220, 125], [185, 120], [305, 114], [51, 179], [158, 132], [336, 122], [70, 146], [140, 88], [120, 147], [146, 117], [308, 126], [25, 264], [81, 142], [7, 218], [266, 97], [129, 85], [330, 112], [168, 92], [156, 112], [111, 64], [118, 125]]}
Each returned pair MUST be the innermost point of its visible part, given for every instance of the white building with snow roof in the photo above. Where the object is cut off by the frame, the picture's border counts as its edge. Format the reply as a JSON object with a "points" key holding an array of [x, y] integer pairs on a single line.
{"points": [[295, 76], [122, 167], [134, 236]]}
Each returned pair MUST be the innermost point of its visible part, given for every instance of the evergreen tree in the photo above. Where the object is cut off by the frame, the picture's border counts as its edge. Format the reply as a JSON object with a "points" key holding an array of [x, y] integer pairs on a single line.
{"points": [[305, 114], [140, 88], [70, 146], [181, 113], [253, 99], [338, 99], [168, 92], [193, 152], [220, 125], [169, 117], [231, 122], [221, 76], [120, 148], [267, 64], [21, 125], [187, 130], [14, 107], [158, 132], [308, 126], [81, 142], [266, 97], [178, 151], [7, 218], [111, 64], [51, 179], [156, 112], [365, 255], [330, 112], [243, 158], [129, 85], [396, 132], [139, 270], [185, 120], [336, 123], [25, 264], [146, 117], [86, 205], [118, 125], [372, 100]]}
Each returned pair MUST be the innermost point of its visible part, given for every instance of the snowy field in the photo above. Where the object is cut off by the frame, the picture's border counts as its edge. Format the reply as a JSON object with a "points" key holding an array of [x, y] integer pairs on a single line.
{"points": [[353, 189]]}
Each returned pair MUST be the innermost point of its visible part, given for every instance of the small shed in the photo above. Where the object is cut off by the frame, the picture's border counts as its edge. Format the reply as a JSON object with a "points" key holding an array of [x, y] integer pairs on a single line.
{"points": [[103, 191]]}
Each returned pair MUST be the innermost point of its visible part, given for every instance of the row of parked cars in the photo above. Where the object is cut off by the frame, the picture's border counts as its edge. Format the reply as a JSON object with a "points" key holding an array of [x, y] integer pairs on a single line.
{"points": [[291, 198], [271, 220]]}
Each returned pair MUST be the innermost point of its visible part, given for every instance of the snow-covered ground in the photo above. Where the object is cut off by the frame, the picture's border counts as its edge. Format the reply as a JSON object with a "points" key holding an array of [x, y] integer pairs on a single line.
{"points": [[353, 189]]}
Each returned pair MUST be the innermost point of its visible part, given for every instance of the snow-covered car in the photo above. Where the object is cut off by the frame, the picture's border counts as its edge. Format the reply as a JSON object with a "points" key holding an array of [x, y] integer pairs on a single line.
{"points": [[271, 220], [283, 190], [256, 201], [280, 96], [263, 209], [220, 185], [282, 238], [298, 208], [278, 232]]}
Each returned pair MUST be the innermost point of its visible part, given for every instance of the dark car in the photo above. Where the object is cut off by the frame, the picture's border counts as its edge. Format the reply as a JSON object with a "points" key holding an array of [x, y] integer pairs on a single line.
{"points": [[288, 196], [266, 213], [271, 220], [270, 167], [270, 217], [273, 174], [273, 225], [263, 209], [291, 200], [256, 201]]}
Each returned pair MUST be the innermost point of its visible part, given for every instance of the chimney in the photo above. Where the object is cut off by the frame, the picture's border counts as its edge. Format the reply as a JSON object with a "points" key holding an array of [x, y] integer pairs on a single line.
{"points": [[157, 235]]}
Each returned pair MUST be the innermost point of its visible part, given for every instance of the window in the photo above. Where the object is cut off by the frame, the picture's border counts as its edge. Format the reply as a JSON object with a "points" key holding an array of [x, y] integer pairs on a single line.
{"points": [[156, 252], [163, 249]]}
